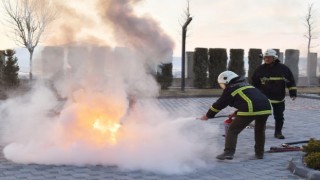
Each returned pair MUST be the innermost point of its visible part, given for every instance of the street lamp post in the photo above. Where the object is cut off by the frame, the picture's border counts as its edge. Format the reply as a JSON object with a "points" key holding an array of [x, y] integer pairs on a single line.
{"points": [[183, 57]]}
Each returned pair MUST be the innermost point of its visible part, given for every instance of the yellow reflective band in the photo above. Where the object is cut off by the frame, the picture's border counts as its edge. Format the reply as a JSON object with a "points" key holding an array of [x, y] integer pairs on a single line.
{"points": [[244, 97], [292, 88], [275, 101], [240, 90], [265, 79], [266, 112], [249, 102], [276, 78], [213, 109]]}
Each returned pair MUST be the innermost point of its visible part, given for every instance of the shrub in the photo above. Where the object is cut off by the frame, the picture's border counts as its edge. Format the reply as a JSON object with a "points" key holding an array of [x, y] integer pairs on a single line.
{"points": [[313, 160], [165, 77], [9, 69], [312, 146], [312, 150], [254, 60], [236, 63], [217, 63], [200, 67]]}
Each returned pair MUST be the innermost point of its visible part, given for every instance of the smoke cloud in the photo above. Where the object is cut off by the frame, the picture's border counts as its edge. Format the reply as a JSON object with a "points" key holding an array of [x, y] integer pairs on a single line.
{"points": [[96, 105]]}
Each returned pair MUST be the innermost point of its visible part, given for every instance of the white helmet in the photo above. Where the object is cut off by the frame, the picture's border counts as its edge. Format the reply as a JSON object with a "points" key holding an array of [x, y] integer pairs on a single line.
{"points": [[271, 52], [226, 76]]}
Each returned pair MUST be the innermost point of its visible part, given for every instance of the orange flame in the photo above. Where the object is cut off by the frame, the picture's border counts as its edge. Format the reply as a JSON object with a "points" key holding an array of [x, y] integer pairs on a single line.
{"points": [[107, 127], [94, 119], [93, 126]]}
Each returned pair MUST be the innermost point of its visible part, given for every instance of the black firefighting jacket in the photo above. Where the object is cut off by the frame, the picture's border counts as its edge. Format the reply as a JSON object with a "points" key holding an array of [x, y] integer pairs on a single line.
{"points": [[248, 100], [272, 80]]}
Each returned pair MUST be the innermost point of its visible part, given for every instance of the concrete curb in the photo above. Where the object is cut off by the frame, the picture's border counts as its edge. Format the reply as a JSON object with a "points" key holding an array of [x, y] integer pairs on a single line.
{"points": [[297, 167]]}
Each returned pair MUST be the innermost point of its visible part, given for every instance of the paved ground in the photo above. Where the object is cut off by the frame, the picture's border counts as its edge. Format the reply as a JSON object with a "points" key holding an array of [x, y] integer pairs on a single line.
{"points": [[302, 122]]}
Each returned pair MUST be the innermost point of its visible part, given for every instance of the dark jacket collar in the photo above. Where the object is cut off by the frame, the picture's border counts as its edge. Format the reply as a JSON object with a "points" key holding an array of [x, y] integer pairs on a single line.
{"points": [[236, 81]]}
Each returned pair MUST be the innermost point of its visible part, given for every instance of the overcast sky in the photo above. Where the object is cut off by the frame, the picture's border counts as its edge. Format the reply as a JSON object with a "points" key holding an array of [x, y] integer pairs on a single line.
{"points": [[238, 23], [229, 23]]}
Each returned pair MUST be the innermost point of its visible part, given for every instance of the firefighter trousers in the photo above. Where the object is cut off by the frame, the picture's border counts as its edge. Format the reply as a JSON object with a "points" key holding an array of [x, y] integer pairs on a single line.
{"points": [[278, 113], [240, 123]]}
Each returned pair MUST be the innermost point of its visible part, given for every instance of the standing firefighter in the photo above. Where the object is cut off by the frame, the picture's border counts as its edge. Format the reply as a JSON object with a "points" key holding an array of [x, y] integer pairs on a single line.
{"points": [[251, 105], [272, 78]]}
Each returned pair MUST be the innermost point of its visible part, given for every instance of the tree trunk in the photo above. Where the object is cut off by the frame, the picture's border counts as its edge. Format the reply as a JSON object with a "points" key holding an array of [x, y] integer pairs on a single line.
{"points": [[30, 73]]}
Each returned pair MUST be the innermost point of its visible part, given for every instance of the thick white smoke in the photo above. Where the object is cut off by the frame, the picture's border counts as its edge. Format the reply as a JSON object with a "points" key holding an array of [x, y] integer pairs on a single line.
{"points": [[149, 138], [67, 119]]}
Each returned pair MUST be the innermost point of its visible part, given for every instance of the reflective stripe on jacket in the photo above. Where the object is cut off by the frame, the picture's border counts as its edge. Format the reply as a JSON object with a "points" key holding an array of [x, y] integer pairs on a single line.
{"points": [[272, 80], [248, 101]]}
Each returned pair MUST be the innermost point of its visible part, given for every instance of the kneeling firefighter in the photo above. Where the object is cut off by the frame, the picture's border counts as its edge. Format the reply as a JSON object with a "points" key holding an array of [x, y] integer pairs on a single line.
{"points": [[251, 105]]}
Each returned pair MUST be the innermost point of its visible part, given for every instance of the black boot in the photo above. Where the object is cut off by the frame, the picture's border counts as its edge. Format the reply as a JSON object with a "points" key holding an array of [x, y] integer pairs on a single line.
{"points": [[278, 130], [279, 135], [225, 155], [259, 156], [256, 156]]}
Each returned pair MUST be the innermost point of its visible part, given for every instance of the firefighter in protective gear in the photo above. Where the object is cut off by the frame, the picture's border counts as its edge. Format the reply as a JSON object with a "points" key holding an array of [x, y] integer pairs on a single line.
{"points": [[251, 105], [272, 78]]}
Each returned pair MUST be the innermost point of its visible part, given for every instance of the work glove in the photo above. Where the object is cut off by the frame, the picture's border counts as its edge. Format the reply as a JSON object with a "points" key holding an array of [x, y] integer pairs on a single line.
{"points": [[204, 118]]}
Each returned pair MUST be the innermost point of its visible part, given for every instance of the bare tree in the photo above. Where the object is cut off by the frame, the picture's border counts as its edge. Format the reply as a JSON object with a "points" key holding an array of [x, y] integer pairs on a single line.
{"points": [[27, 20], [310, 35]]}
